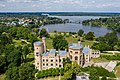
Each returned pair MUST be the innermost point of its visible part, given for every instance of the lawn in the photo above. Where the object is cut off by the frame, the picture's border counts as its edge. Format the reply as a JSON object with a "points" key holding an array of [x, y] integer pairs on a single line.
{"points": [[49, 43], [86, 42], [97, 60]]}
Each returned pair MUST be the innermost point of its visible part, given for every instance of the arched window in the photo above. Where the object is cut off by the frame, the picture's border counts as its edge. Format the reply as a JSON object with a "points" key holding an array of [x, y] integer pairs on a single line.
{"points": [[76, 58]]}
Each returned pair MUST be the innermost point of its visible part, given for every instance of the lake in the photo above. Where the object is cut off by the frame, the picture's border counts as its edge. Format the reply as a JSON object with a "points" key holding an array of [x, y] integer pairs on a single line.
{"points": [[74, 27]]}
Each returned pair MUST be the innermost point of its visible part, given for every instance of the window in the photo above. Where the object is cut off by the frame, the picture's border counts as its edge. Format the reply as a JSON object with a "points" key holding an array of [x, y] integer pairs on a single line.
{"points": [[56, 60], [43, 64], [46, 64], [76, 58], [37, 54], [70, 51], [76, 52], [59, 65], [43, 60], [51, 60], [60, 60], [46, 60], [51, 64], [56, 64], [37, 63]]}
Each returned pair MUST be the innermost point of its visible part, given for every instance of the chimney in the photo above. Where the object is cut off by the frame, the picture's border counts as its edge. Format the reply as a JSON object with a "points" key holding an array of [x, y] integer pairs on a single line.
{"points": [[44, 43], [79, 43]]}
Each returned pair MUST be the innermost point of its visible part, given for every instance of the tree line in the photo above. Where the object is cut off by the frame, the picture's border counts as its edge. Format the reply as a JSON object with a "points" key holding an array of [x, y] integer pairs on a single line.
{"points": [[112, 23]]}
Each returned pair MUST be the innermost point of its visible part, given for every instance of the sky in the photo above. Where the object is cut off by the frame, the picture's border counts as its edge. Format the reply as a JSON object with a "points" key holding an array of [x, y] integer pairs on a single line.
{"points": [[59, 5]]}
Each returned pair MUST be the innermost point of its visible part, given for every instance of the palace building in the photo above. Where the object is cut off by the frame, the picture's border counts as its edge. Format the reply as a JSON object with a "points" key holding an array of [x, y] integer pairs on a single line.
{"points": [[54, 59]]}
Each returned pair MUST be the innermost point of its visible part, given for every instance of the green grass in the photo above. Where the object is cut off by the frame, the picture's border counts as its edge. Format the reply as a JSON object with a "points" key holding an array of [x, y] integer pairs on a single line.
{"points": [[96, 60], [50, 78], [71, 39], [86, 42], [49, 43]]}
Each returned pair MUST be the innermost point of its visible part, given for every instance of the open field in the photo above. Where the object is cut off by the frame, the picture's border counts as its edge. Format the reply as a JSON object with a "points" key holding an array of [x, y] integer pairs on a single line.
{"points": [[97, 60]]}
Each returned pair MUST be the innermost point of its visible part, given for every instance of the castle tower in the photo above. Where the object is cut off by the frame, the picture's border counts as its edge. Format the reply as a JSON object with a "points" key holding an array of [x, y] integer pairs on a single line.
{"points": [[38, 50], [44, 43]]}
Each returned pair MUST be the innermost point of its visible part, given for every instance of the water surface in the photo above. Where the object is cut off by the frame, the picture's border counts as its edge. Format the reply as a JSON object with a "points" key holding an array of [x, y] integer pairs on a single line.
{"points": [[74, 27]]}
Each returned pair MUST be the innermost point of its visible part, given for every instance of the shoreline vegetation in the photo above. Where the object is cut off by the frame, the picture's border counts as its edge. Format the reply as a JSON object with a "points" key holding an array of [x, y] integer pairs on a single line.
{"points": [[112, 23]]}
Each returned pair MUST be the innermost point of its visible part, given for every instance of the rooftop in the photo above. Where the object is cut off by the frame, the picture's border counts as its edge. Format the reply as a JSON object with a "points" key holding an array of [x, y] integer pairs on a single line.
{"points": [[62, 53], [38, 43], [86, 50], [53, 53]]}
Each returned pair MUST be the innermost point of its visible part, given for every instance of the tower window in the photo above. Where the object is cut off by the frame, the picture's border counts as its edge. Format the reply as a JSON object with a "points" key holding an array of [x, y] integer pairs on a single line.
{"points": [[37, 54], [76, 52], [37, 63], [51, 60], [43, 64], [56, 60], [56, 64], [43, 60], [51, 64], [46, 60], [59, 65], [47, 64], [60, 60], [76, 58]]}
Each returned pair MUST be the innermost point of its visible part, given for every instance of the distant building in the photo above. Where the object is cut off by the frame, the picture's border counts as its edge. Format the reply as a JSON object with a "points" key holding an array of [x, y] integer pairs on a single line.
{"points": [[44, 15], [53, 59]]}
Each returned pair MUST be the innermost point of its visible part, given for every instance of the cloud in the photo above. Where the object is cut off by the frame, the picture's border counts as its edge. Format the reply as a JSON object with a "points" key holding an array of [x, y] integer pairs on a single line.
{"points": [[60, 5], [2, 5]]}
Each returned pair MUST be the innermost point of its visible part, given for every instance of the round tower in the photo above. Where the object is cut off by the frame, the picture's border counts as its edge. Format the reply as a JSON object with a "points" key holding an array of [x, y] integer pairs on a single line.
{"points": [[38, 50], [44, 43]]}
